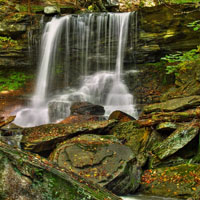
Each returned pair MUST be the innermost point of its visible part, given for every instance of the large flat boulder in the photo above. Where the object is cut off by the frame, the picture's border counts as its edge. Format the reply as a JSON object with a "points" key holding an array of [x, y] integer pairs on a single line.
{"points": [[27, 176], [46, 137], [82, 118], [102, 160], [173, 105]]}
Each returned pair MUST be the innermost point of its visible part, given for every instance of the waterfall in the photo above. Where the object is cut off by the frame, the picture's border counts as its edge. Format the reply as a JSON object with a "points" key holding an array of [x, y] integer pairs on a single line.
{"points": [[88, 49]]}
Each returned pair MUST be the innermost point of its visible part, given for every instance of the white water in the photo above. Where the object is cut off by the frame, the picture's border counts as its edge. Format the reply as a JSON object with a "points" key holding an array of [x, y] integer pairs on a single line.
{"points": [[145, 197], [72, 46]]}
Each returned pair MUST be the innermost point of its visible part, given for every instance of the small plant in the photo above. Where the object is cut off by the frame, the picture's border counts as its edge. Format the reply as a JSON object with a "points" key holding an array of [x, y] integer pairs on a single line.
{"points": [[7, 41], [13, 81], [180, 61], [195, 25]]}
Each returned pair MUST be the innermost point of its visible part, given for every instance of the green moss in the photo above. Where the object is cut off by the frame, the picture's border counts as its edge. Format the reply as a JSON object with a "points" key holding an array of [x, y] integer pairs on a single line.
{"points": [[13, 80], [182, 1]]}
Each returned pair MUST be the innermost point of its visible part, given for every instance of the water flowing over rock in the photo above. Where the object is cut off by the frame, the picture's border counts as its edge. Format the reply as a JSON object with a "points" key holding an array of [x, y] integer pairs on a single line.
{"points": [[102, 78], [101, 159]]}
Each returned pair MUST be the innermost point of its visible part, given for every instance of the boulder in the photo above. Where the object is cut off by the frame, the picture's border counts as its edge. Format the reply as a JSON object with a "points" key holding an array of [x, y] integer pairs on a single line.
{"points": [[176, 141], [120, 116], [182, 181], [86, 108], [135, 137], [102, 160], [27, 176], [82, 118], [6, 121], [46, 137], [51, 10], [174, 105]]}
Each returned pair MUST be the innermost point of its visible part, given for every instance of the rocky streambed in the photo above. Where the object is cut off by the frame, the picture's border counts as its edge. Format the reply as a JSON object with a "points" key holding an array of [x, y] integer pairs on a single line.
{"points": [[158, 154]]}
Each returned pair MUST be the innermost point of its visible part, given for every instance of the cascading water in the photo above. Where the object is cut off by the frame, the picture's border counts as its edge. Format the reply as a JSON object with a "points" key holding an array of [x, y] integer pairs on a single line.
{"points": [[80, 48]]}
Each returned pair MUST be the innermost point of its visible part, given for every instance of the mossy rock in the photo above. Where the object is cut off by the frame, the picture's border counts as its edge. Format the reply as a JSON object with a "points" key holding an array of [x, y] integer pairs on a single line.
{"points": [[102, 160], [180, 181], [135, 137], [28, 176], [174, 104], [46, 137], [176, 141]]}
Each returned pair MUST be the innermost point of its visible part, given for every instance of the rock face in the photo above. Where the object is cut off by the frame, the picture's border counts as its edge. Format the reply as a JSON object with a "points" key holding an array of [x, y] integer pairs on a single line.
{"points": [[162, 31], [180, 181], [102, 160], [45, 137], [26, 176], [86, 108]]}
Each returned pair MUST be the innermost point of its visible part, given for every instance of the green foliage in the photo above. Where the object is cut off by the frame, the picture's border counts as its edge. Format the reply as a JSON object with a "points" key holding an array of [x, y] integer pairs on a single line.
{"points": [[195, 25], [13, 80], [7, 41], [180, 61]]}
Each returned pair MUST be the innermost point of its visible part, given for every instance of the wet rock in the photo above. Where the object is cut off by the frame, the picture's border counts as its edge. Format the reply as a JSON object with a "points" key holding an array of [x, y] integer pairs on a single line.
{"points": [[46, 137], [166, 127], [177, 140], [174, 104], [82, 118], [27, 176], [86, 108], [102, 160], [180, 181], [6, 121], [120, 116], [51, 10]]}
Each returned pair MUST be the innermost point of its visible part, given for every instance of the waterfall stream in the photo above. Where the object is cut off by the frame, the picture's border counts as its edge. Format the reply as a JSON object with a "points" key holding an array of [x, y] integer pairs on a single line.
{"points": [[87, 49]]}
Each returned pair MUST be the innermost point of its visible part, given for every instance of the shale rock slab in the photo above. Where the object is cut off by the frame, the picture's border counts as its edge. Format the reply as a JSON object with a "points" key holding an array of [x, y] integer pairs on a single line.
{"points": [[174, 105], [102, 160], [177, 140], [46, 137], [82, 118]]}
